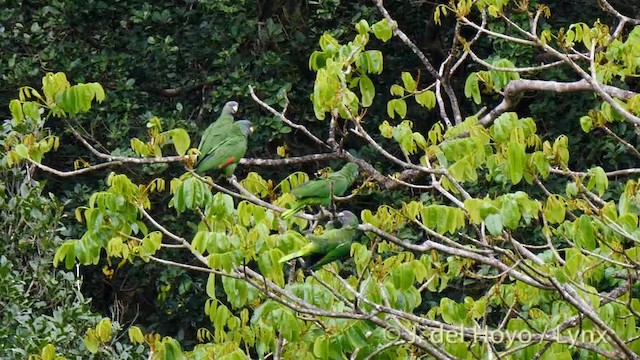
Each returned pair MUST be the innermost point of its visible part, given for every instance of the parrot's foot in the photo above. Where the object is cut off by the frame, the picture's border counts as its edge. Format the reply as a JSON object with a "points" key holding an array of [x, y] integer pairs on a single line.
{"points": [[232, 179]]}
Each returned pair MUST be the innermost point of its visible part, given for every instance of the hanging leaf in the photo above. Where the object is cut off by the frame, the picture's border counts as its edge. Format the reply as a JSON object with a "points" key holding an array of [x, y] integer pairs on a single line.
{"points": [[472, 88], [382, 30], [367, 90], [516, 158]]}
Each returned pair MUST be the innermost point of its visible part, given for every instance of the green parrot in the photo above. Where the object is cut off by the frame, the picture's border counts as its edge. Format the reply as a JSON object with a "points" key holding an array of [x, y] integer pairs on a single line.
{"points": [[331, 245], [224, 157], [318, 192], [214, 133]]}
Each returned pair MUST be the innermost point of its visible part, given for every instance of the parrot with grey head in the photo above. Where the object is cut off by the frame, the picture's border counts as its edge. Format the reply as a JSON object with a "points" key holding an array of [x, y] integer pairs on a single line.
{"points": [[319, 192], [331, 245], [224, 156], [215, 133]]}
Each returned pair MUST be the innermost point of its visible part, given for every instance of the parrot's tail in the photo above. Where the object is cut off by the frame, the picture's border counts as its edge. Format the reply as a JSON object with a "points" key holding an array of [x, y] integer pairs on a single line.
{"points": [[291, 256], [289, 213]]}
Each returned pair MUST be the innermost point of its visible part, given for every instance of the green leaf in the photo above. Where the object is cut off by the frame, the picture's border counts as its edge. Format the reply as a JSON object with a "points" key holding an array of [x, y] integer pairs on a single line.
{"points": [[403, 276], [584, 233], [473, 207], [91, 343], [598, 179], [172, 348], [152, 242], [52, 84], [382, 30], [510, 213], [554, 209], [426, 99], [396, 90], [22, 151], [586, 123], [386, 130], [571, 189], [135, 335], [103, 330], [372, 61], [16, 110], [494, 224], [48, 352], [408, 82], [211, 286], [31, 110], [328, 43], [397, 106], [367, 90], [181, 140], [472, 88], [362, 27], [517, 158]]}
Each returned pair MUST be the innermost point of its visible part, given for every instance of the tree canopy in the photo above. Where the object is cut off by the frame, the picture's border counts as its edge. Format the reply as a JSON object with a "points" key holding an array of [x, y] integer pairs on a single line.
{"points": [[488, 151]]}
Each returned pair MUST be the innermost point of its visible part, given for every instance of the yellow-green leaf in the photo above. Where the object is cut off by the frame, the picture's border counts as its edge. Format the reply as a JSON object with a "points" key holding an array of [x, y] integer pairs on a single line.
{"points": [[16, 110], [517, 159], [382, 30], [135, 335], [472, 88], [367, 90]]}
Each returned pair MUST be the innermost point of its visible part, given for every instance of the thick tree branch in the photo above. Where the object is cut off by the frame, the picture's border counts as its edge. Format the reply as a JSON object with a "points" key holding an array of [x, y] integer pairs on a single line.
{"points": [[517, 87]]}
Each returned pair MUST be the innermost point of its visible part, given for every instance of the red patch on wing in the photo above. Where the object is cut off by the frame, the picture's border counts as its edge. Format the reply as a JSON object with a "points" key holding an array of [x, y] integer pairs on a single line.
{"points": [[227, 163]]}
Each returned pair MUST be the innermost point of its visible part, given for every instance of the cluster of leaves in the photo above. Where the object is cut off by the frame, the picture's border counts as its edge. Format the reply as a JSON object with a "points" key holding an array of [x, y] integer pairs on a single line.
{"points": [[415, 256], [44, 314]]}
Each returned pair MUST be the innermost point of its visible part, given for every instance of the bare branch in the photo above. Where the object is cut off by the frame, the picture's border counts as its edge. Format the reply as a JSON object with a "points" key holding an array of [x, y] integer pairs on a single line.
{"points": [[290, 160], [516, 87], [285, 120], [604, 4]]}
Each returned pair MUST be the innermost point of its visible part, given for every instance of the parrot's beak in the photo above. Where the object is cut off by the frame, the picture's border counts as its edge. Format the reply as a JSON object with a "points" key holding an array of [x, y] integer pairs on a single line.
{"points": [[234, 109], [251, 129]]}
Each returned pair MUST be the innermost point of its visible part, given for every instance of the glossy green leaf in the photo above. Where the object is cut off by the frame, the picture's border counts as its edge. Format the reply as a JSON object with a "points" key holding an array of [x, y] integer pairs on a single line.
{"points": [[554, 209], [362, 27], [472, 88], [408, 81], [48, 352], [367, 90], [382, 30], [584, 233], [494, 224], [510, 213], [586, 123], [426, 98], [397, 106], [22, 151], [396, 90], [135, 335], [598, 179], [181, 140], [516, 158], [16, 110]]}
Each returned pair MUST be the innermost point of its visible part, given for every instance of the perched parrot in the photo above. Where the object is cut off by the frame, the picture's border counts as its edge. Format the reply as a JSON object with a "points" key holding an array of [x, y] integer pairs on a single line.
{"points": [[214, 134], [318, 192], [329, 246], [224, 157]]}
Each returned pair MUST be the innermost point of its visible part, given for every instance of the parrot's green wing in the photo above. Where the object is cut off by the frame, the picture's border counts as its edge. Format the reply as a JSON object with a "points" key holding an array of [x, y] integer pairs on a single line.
{"points": [[215, 133], [343, 179], [225, 157], [315, 188], [318, 192], [331, 245], [338, 253]]}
